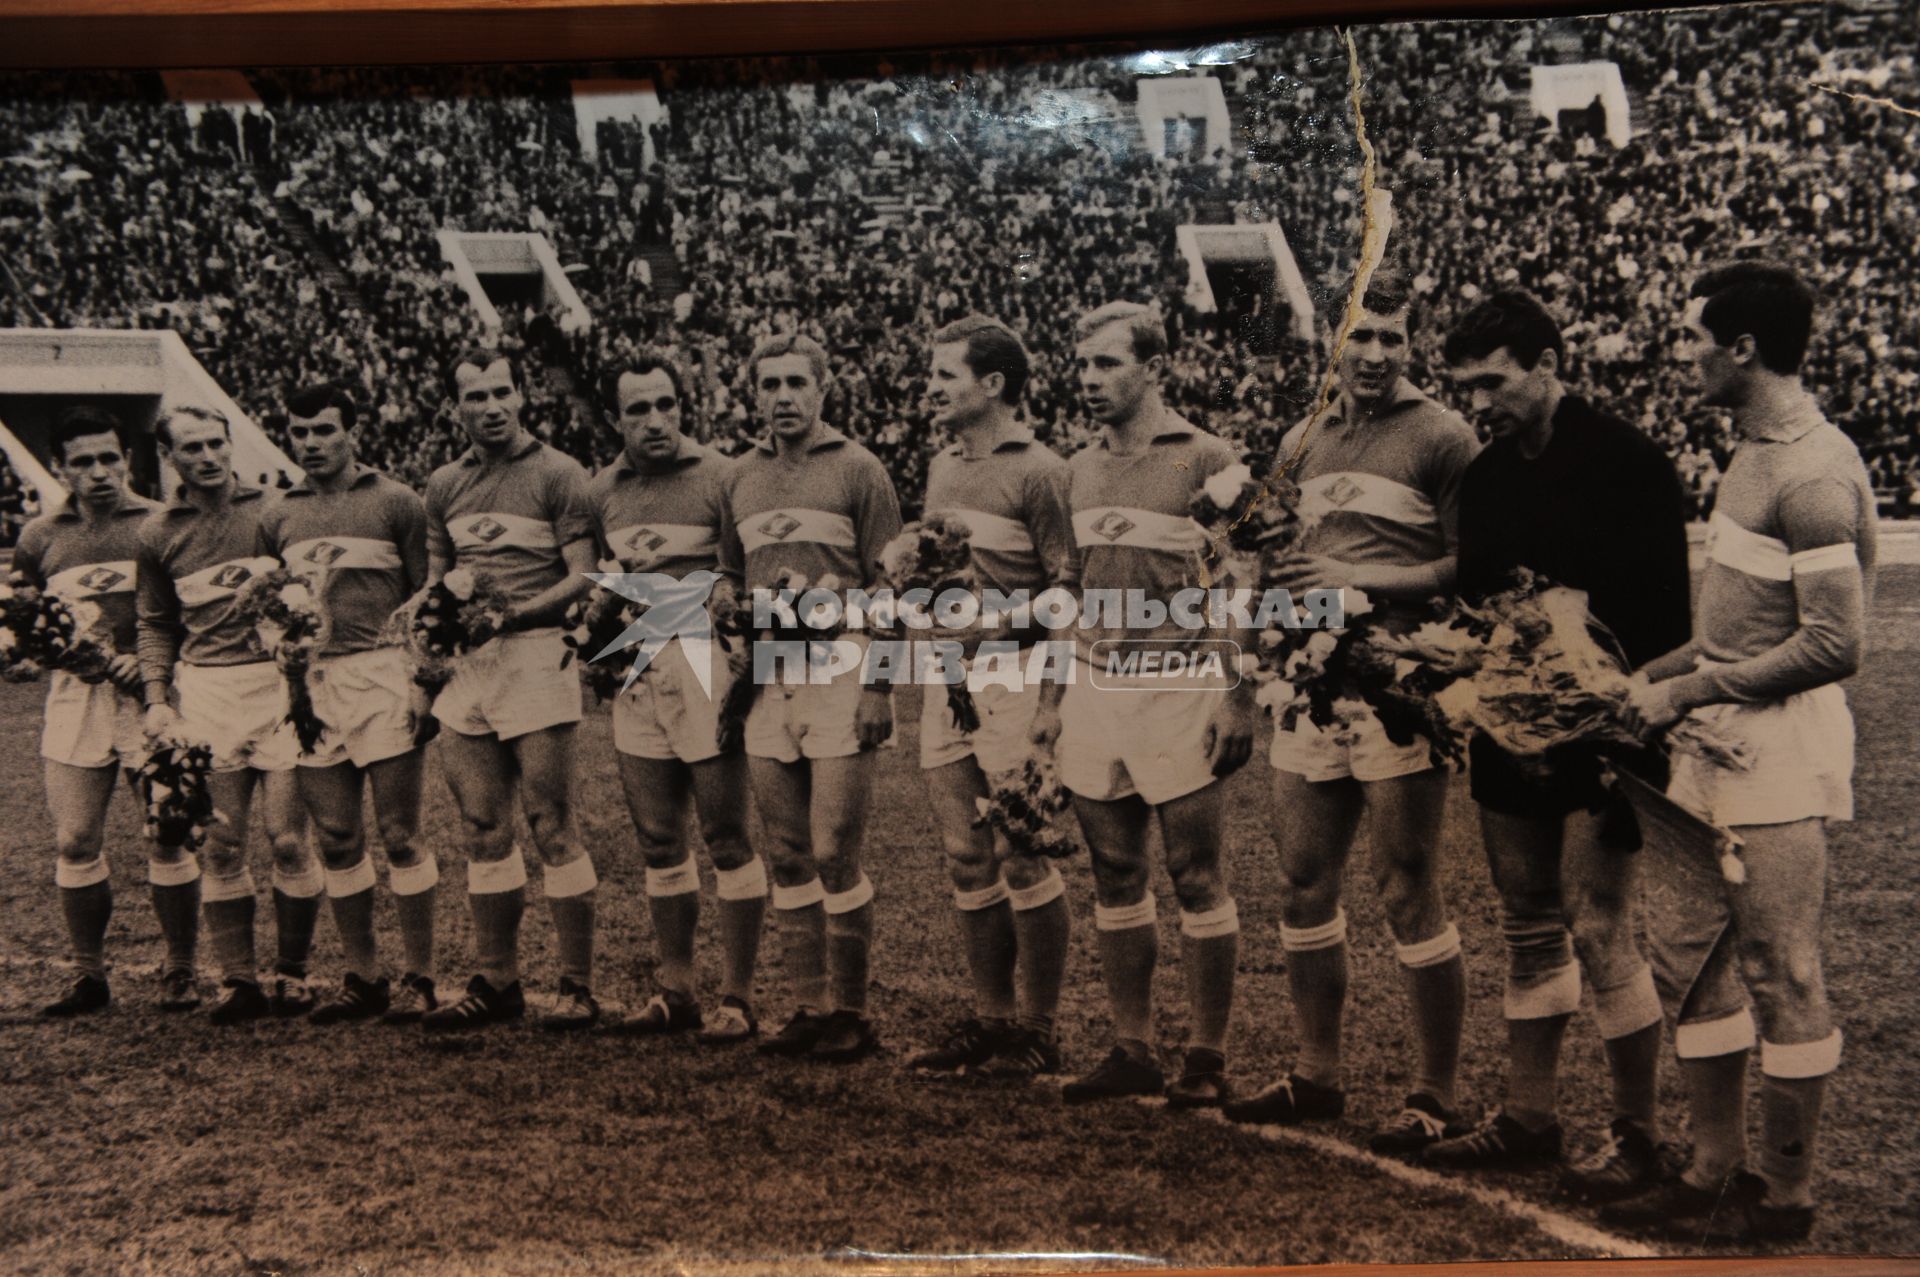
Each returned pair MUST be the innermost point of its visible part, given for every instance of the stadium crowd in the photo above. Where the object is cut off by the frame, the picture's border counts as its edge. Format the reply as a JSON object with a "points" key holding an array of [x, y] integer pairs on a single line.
{"points": [[867, 205]]}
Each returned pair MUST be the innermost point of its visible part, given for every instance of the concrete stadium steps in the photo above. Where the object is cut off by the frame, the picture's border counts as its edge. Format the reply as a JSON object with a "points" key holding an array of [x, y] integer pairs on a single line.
{"points": [[297, 224]]}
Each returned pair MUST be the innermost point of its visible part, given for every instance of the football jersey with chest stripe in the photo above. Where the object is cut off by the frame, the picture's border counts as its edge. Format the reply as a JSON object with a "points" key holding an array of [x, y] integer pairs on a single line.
{"points": [[64, 554], [192, 565], [365, 546], [509, 520], [1132, 521], [1014, 501], [665, 521], [829, 509]]}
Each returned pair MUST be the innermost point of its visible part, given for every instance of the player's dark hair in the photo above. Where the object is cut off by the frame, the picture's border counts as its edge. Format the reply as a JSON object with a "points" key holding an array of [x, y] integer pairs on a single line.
{"points": [[1390, 291], [642, 362], [789, 344], [1511, 320], [1771, 303], [82, 421], [164, 427], [1146, 329], [482, 358], [991, 347], [311, 401]]}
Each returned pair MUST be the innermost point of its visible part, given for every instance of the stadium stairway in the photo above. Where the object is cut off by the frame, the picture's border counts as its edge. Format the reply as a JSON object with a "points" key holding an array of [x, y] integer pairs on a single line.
{"points": [[297, 225]]}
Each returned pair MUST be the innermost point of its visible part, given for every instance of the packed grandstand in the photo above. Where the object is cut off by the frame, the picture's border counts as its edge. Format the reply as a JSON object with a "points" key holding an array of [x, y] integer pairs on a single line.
{"points": [[869, 201]]}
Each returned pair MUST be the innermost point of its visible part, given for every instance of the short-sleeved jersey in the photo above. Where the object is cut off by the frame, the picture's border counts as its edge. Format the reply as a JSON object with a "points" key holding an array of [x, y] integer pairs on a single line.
{"points": [[1795, 500], [63, 553], [192, 564], [510, 519], [365, 546], [1386, 489], [666, 521], [1014, 501], [829, 509], [1133, 526]]}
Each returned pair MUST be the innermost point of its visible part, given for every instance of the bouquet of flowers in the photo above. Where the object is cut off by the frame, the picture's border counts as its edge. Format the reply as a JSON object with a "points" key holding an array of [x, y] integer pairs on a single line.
{"points": [[735, 629], [288, 626], [40, 630], [448, 620], [934, 554], [1549, 674], [592, 625], [1247, 512], [173, 786], [1024, 806]]}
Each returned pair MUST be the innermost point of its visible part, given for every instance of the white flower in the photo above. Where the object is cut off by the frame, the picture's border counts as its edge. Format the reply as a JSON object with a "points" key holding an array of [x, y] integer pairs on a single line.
{"points": [[1321, 646], [459, 583], [296, 596], [1224, 488], [1354, 603]]}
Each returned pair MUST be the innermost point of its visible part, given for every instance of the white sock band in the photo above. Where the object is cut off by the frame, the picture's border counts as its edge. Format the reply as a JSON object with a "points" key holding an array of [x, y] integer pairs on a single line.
{"points": [[351, 882], [174, 873], [1142, 913], [1803, 1059], [1702, 1040], [1554, 993], [682, 879], [238, 887], [1223, 921], [748, 882], [1044, 892], [72, 876], [803, 896], [1430, 953], [576, 878], [1324, 936], [411, 880], [305, 885], [496, 877], [985, 898], [1627, 1009], [847, 901]]}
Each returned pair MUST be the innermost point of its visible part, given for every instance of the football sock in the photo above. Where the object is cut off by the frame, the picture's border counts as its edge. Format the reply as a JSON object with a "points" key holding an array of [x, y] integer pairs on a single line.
{"points": [[1129, 949], [86, 900], [175, 885], [1533, 1061], [571, 895], [497, 894], [1042, 927], [350, 893], [1794, 1080], [228, 905], [1633, 1060], [413, 899], [849, 927], [742, 894], [986, 927], [1210, 952], [1717, 1112], [1317, 978], [296, 912], [673, 902], [803, 942], [1437, 992]]}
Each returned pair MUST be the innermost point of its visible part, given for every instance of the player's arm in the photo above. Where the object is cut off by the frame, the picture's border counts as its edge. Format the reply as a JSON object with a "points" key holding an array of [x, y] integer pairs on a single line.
{"points": [[1821, 523], [548, 605], [440, 557], [157, 634], [1229, 736], [410, 533], [876, 522]]}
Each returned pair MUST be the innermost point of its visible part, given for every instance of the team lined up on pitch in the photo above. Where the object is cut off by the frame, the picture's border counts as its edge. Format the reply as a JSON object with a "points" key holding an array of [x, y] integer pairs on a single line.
{"points": [[1521, 608]]}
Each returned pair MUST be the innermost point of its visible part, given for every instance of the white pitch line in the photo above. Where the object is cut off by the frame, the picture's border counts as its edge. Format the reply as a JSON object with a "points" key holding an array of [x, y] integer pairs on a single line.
{"points": [[1562, 1228]]}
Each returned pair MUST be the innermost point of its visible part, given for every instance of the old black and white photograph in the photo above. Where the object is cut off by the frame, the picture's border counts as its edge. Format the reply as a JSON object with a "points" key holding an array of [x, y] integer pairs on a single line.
{"points": [[1286, 649]]}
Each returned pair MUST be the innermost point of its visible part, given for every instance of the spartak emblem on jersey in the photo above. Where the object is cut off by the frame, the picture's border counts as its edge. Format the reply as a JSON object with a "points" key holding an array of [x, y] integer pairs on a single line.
{"points": [[780, 526], [645, 541], [324, 553], [1341, 490], [1113, 525], [232, 576], [487, 529], [101, 580]]}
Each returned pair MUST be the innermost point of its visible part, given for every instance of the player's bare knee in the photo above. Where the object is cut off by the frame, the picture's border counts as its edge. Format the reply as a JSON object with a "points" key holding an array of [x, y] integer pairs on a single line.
{"points": [[659, 849], [78, 846], [1023, 873], [1199, 888], [1781, 975], [396, 839], [792, 866], [1119, 880], [551, 824], [839, 871], [972, 869], [725, 830], [290, 853]]}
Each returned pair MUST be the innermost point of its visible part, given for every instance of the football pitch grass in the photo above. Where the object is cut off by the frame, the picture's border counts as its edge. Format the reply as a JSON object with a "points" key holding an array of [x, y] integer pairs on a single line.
{"points": [[137, 1142]]}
